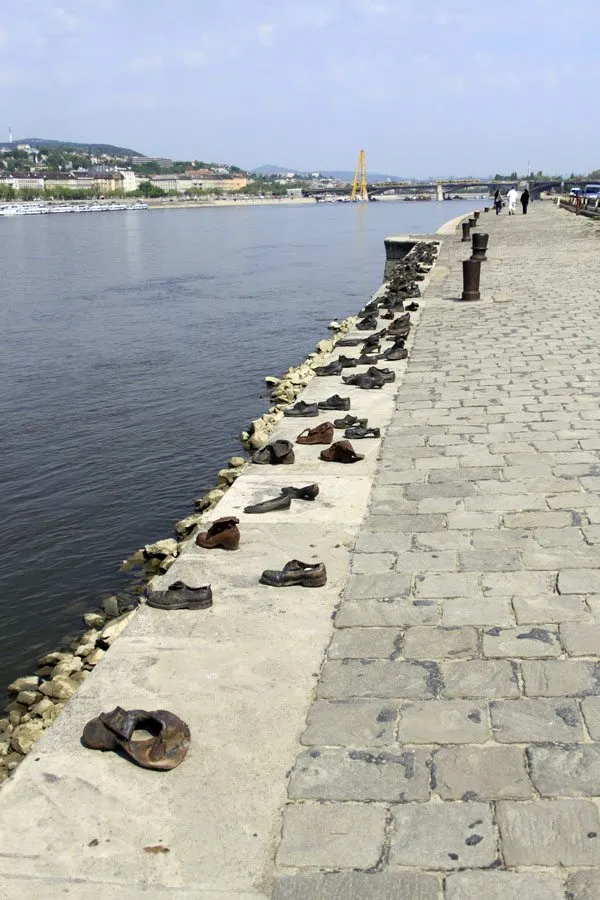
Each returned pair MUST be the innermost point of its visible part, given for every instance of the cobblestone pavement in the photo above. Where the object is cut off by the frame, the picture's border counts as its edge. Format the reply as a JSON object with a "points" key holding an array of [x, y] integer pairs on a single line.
{"points": [[452, 751]]}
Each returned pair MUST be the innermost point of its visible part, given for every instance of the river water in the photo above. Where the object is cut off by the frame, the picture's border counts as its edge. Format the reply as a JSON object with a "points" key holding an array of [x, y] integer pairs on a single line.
{"points": [[133, 350]]}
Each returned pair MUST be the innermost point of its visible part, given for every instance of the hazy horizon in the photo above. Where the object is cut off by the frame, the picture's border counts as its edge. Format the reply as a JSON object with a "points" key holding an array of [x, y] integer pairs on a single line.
{"points": [[428, 88]]}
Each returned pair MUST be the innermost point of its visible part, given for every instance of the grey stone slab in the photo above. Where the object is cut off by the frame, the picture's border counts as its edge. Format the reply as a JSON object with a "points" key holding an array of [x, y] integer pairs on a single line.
{"points": [[519, 583], [443, 836], [423, 642], [490, 560], [419, 561], [393, 613], [359, 774], [579, 581], [378, 678], [382, 542], [375, 587], [537, 519], [561, 677], [498, 885], [386, 885], [521, 642], [549, 832], [486, 679], [442, 722], [372, 563], [443, 540], [481, 610], [584, 885], [345, 835], [536, 721], [359, 723], [551, 608], [365, 643], [591, 713], [448, 585], [558, 771], [481, 773]]}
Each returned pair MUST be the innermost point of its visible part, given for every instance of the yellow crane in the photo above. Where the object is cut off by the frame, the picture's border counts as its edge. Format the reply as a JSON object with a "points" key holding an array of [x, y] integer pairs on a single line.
{"points": [[361, 171]]}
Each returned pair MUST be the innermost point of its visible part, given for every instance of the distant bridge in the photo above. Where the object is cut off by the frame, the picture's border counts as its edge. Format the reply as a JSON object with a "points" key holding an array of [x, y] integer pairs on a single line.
{"points": [[409, 188]]}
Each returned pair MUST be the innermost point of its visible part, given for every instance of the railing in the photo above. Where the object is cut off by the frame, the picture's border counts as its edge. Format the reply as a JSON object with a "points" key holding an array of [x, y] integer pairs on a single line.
{"points": [[581, 206]]}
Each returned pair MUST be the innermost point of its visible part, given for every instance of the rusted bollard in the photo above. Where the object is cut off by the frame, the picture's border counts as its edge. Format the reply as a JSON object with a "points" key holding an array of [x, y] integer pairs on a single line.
{"points": [[472, 222], [476, 215], [471, 273], [466, 229], [486, 209], [480, 243]]}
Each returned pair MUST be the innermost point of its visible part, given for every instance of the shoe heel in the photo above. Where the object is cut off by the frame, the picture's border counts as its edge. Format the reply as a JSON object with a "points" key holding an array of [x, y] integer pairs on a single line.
{"points": [[314, 582]]}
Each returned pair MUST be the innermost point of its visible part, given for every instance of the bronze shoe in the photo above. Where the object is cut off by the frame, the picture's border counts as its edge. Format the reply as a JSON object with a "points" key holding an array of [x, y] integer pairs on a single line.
{"points": [[164, 749], [223, 533], [321, 434], [341, 452], [296, 573]]}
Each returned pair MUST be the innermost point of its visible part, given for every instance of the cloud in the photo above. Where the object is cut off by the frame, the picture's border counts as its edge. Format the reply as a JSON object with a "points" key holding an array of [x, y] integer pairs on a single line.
{"points": [[147, 63], [265, 34]]}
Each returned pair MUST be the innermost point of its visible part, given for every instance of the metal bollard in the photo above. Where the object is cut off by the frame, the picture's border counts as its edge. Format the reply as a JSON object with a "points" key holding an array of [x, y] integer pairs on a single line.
{"points": [[466, 229], [476, 215], [471, 273], [480, 243], [486, 209], [472, 222]]}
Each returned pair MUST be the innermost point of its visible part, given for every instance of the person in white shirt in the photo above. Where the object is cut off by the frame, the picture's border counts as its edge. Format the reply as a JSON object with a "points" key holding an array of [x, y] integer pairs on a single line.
{"points": [[512, 197]]}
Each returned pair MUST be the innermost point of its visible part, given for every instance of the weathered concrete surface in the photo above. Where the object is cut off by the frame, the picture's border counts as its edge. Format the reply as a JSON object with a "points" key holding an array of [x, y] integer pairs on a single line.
{"points": [[242, 675], [460, 695]]}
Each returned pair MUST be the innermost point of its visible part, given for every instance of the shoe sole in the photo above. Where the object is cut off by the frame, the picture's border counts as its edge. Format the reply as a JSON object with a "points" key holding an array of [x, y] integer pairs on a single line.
{"points": [[200, 604]]}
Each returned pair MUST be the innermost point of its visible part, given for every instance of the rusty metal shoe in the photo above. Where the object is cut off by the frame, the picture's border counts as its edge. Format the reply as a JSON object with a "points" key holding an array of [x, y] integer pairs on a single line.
{"points": [[283, 501], [334, 368], [165, 748], [179, 596], [359, 431], [341, 452], [348, 422], [302, 409], [335, 402], [279, 453], [296, 572], [321, 434], [222, 533], [302, 493]]}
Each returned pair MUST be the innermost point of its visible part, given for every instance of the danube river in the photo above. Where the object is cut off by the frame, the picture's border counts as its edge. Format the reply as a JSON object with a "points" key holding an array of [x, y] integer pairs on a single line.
{"points": [[133, 349]]}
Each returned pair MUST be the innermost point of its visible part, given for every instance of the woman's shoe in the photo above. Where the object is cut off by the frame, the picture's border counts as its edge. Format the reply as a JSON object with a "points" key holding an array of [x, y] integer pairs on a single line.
{"points": [[302, 493], [321, 434], [296, 573], [283, 501], [279, 453], [223, 533], [359, 431], [179, 596], [348, 422], [164, 749], [341, 452]]}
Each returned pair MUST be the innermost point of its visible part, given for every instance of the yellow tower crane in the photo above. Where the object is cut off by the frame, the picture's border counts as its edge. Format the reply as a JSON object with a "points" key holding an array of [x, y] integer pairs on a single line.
{"points": [[361, 171]]}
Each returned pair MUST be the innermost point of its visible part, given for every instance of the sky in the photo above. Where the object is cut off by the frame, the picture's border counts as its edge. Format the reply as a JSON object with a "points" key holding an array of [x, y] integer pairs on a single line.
{"points": [[426, 87]]}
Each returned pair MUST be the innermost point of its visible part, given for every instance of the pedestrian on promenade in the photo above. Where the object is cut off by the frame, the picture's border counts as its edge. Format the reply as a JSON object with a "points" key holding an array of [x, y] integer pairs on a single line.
{"points": [[497, 201], [512, 197], [525, 201]]}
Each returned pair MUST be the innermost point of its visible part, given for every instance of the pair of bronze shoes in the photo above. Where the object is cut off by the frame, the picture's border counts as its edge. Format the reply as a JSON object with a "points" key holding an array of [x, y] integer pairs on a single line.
{"points": [[164, 747], [223, 532], [341, 452], [320, 434]]}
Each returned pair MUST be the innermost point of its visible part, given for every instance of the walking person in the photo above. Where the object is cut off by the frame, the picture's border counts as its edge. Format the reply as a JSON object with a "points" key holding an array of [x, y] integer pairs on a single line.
{"points": [[525, 201], [512, 197], [497, 201]]}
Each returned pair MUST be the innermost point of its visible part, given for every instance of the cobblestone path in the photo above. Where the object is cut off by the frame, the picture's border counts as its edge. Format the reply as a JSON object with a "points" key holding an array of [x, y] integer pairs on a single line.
{"points": [[453, 748]]}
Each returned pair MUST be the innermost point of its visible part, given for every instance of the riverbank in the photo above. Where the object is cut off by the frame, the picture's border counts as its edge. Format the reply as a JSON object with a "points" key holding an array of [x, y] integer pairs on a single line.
{"points": [[255, 643]]}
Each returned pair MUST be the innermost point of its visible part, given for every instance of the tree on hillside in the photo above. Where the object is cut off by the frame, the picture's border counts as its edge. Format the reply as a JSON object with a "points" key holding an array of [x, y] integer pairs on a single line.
{"points": [[595, 175]]}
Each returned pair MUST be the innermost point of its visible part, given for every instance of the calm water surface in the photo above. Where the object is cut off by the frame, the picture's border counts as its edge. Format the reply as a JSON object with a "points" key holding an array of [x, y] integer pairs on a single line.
{"points": [[133, 348]]}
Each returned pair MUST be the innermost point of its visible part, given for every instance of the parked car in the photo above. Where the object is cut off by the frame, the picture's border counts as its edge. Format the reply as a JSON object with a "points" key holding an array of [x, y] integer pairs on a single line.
{"points": [[591, 192], [574, 192]]}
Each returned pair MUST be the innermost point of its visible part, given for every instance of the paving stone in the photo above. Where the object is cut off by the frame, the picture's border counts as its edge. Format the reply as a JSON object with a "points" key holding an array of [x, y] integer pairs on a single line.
{"points": [[443, 721], [591, 713], [481, 773], [551, 608], [359, 723], [490, 560], [486, 679], [464, 520], [443, 836], [537, 519], [506, 886], [348, 835], [365, 643], [373, 587], [422, 642], [477, 611], [519, 583], [584, 885], [443, 540], [382, 542], [579, 581], [558, 771], [353, 774], [419, 561], [536, 721], [549, 832], [396, 613], [378, 678], [386, 885], [372, 563], [407, 524], [561, 677], [450, 585], [521, 642]]}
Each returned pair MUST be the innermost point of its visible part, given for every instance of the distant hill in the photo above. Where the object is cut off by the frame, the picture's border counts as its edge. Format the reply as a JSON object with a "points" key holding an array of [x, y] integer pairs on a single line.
{"points": [[95, 149], [340, 174]]}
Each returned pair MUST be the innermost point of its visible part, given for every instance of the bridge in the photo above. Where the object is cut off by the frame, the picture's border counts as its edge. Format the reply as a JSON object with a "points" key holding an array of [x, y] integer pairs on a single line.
{"points": [[444, 188]]}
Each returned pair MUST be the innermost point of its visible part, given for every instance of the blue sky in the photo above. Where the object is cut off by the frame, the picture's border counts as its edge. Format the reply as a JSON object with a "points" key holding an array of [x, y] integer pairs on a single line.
{"points": [[425, 86]]}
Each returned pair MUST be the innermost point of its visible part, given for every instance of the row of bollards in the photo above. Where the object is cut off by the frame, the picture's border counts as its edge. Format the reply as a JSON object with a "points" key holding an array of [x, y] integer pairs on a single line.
{"points": [[472, 266]]}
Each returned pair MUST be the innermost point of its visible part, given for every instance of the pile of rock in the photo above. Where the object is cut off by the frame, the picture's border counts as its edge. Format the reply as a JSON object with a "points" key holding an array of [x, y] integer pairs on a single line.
{"points": [[36, 700]]}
